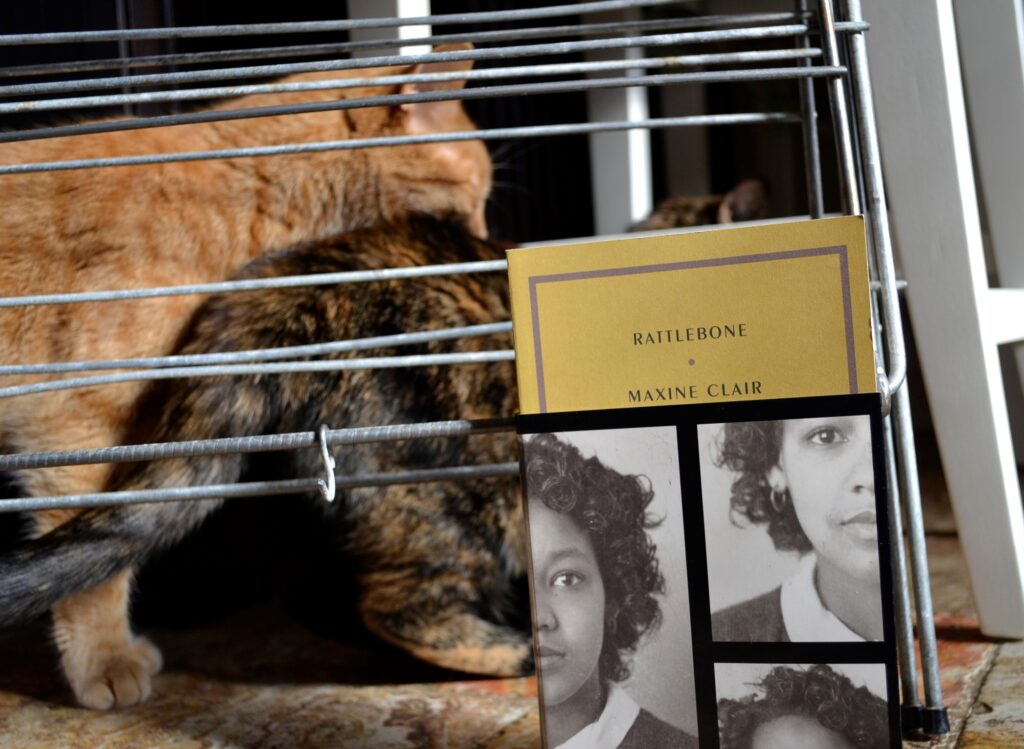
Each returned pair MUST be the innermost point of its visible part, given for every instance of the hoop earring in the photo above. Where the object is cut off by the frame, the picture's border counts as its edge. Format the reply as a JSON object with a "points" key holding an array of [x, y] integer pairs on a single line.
{"points": [[778, 500]]}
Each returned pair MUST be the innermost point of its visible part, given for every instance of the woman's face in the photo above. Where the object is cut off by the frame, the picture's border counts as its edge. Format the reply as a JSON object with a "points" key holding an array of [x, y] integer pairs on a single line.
{"points": [[570, 606], [827, 466], [796, 732]]}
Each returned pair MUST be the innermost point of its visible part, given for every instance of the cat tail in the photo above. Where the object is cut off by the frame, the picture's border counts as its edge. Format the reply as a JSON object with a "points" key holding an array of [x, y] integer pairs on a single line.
{"points": [[87, 550]]}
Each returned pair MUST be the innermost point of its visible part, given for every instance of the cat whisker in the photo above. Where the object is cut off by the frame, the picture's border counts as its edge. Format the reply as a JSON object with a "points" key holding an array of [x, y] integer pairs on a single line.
{"points": [[505, 187], [502, 150]]}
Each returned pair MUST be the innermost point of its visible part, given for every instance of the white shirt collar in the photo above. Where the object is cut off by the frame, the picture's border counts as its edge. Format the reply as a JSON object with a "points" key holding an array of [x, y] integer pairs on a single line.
{"points": [[611, 727], [805, 616]]}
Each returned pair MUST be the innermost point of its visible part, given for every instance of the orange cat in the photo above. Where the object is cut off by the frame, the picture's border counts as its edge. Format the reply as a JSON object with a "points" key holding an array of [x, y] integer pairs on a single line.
{"points": [[181, 223]]}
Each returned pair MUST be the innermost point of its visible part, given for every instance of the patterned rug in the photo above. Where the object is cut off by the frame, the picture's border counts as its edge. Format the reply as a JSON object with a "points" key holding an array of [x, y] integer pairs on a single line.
{"points": [[965, 658], [258, 680]]}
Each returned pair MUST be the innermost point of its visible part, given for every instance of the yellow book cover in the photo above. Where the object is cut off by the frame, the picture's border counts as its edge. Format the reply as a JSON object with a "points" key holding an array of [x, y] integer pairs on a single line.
{"points": [[771, 311]]}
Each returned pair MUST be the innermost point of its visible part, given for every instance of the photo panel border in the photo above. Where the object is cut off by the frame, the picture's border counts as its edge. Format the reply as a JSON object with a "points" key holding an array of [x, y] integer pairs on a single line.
{"points": [[706, 652]]}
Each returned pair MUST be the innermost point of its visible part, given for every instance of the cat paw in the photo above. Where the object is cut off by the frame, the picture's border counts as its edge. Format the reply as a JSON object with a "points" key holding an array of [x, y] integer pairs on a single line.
{"points": [[503, 660], [148, 655], [120, 680]]}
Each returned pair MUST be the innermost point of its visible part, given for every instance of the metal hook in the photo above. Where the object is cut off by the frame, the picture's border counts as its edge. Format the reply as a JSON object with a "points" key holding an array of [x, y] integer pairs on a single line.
{"points": [[884, 390], [327, 488]]}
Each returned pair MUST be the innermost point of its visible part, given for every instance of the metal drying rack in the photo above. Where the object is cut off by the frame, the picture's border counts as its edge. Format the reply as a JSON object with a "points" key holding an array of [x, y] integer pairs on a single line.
{"points": [[841, 60]]}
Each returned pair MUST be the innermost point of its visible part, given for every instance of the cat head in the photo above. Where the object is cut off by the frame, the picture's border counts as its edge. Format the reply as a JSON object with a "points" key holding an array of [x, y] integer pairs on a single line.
{"points": [[747, 201], [441, 179]]}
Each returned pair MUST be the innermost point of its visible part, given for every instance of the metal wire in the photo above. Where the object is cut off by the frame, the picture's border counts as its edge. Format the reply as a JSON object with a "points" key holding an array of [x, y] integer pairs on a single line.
{"points": [[487, 74], [492, 53], [477, 37], [489, 92], [840, 118], [811, 143], [122, 48], [258, 284], [243, 362], [896, 373], [314, 279], [331, 365], [268, 354], [255, 444], [256, 488], [299, 27], [901, 588], [534, 131]]}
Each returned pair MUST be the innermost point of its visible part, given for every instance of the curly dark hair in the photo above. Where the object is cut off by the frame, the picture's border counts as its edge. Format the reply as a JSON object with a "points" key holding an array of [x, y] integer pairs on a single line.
{"points": [[752, 449], [612, 508], [855, 713]]}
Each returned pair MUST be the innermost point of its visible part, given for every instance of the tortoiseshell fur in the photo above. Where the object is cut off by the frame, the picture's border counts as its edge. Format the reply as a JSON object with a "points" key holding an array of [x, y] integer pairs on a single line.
{"points": [[747, 201], [182, 223], [437, 563]]}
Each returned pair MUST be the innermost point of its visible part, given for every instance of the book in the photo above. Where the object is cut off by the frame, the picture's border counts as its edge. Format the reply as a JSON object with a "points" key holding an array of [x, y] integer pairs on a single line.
{"points": [[697, 558], [774, 311]]}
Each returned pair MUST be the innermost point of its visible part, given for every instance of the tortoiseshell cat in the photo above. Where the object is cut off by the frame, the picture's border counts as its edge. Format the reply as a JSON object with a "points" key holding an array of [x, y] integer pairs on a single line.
{"points": [[180, 223], [745, 202], [436, 563]]}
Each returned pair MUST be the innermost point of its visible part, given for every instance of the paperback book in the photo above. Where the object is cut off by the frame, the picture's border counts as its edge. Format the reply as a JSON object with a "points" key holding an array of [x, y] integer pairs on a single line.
{"points": [[709, 566]]}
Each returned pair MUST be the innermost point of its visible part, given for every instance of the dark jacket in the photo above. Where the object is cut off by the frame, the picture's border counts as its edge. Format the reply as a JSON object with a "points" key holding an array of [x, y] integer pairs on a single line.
{"points": [[756, 620], [650, 733]]}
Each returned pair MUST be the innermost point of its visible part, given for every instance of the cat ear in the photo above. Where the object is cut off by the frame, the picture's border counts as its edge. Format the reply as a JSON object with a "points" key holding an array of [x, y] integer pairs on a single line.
{"points": [[432, 115], [745, 202]]}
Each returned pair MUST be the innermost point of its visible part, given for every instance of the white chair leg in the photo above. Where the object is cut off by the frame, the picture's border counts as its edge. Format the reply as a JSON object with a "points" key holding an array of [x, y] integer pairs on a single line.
{"points": [[990, 35], [620, 162], [392, 9], [929, 174]]}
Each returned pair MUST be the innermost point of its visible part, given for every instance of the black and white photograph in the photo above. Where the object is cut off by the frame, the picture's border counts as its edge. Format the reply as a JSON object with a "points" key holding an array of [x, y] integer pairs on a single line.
{"points": [[802, 706], [791, 522], [610, 591]]}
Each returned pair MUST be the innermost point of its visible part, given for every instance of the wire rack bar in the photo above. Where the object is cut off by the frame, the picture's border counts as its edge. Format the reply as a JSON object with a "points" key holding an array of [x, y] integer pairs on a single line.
{"points": [[268, 354], [878, 224], [257, 284], [477, 37], [903, 608], [842, 129], [487, 74], [811, 143], [301, 27], [799, 24], [256, 444], [491, 53], [117, 125], [314, 279], [257, 488], [534, 131], [234, 370]]}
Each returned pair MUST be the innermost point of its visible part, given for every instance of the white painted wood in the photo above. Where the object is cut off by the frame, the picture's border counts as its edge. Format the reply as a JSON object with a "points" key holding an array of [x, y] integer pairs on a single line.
{"points": [[1004, 316], [990, 34], [620, 162], [390, 8], [930, 182]]}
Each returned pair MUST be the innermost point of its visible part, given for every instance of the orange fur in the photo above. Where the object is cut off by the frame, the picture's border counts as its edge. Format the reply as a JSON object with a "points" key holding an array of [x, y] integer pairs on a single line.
{"points": [[182, 223]]}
